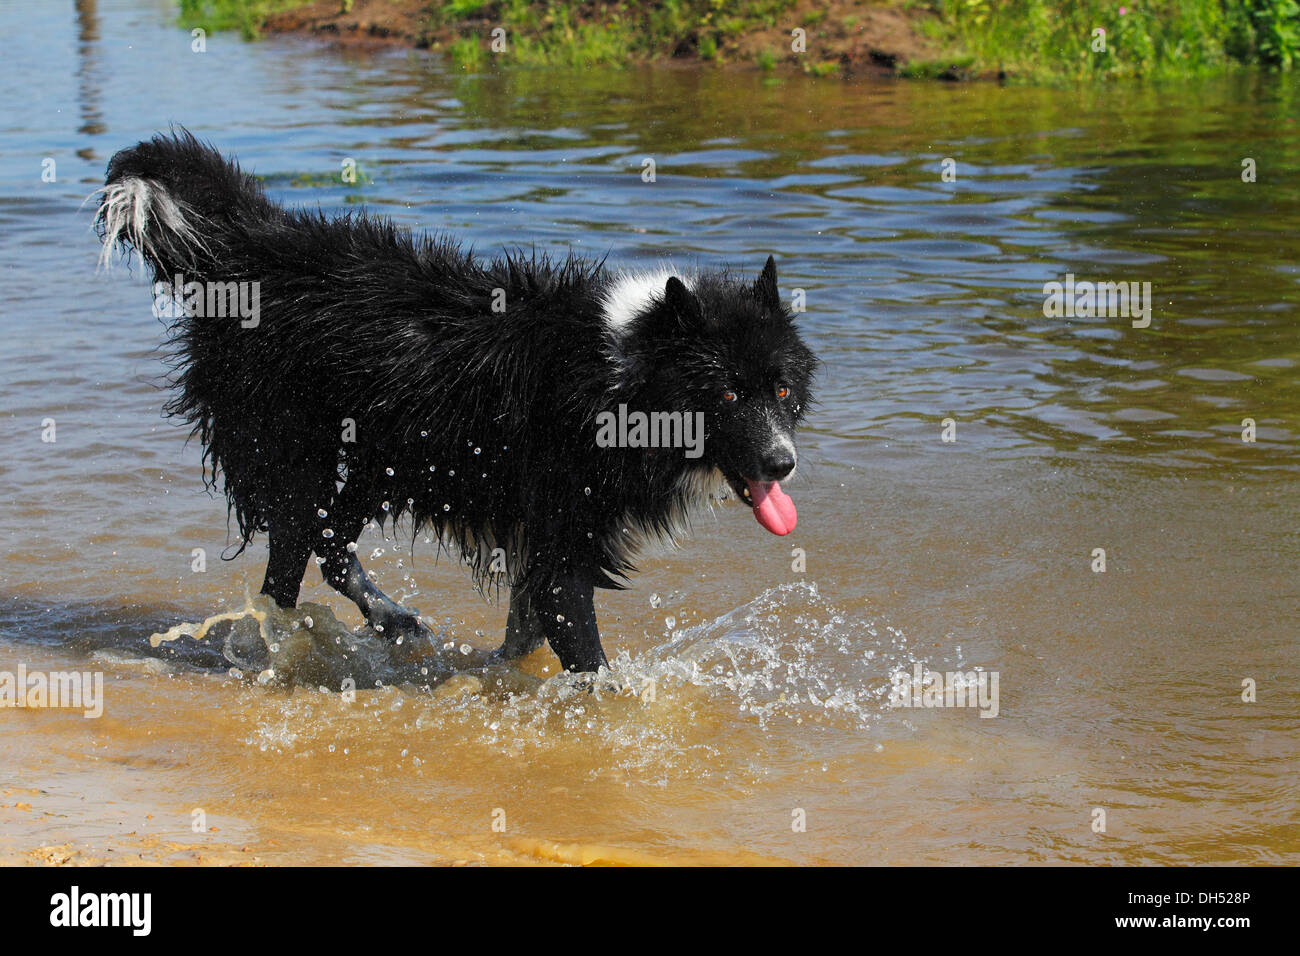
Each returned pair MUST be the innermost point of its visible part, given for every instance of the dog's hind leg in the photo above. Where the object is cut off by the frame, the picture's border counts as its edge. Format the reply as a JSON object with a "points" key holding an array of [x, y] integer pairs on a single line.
{"points": [[290, 548]]}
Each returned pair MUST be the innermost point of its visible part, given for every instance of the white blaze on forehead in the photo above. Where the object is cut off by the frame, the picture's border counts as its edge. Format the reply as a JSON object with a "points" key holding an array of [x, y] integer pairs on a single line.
{"points": [[630, 292]]}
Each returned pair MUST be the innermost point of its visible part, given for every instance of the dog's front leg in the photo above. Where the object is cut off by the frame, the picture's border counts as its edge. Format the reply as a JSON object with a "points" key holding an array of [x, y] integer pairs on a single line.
{"points": [[343, 572], [566, 614], [524, 633]]}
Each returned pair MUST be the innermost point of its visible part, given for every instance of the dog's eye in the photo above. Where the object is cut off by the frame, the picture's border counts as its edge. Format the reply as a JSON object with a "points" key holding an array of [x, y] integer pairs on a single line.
{"points": [[728, 396], [783, 391]]}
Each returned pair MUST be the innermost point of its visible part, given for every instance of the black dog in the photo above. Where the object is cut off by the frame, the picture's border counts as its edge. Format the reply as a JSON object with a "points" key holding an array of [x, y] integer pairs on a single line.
{"points": [[542, 418]]}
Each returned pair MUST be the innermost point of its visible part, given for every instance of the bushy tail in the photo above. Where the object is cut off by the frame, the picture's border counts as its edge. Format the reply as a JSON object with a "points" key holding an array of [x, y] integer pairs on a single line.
{"points": [[187, 210], [177, 202]]}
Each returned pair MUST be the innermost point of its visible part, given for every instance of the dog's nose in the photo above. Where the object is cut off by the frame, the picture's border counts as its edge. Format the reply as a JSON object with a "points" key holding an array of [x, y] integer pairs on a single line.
{"points": [[777, 464]]}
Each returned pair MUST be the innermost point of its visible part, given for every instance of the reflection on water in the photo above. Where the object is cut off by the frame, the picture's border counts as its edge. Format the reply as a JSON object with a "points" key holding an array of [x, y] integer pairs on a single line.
{"points": [[925, 300], [88, 74]]}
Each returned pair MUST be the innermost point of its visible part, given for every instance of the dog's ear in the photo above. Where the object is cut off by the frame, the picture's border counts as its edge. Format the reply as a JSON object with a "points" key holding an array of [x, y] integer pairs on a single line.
{"points": [[765, 290], [681, 302]]}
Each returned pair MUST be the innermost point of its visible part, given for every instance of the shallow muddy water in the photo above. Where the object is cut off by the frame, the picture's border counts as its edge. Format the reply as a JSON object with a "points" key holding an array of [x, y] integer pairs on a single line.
{"points": [[1118, 690]]}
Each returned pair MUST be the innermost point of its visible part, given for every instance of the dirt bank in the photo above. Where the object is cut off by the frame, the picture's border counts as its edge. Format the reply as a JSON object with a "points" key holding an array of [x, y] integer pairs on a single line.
{"points": [[839, 35]]}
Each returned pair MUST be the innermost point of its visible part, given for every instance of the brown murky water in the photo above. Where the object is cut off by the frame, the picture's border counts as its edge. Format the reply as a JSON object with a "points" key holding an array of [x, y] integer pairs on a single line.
{"points": [[1119, 690]]}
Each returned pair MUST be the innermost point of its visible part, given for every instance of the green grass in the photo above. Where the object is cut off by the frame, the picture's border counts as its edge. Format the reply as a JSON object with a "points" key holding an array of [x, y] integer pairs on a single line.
{"points": [[246, 16], [467, 54], [821, 68], [592, 33], [458, 9], [943, 68], [1040, 40]]}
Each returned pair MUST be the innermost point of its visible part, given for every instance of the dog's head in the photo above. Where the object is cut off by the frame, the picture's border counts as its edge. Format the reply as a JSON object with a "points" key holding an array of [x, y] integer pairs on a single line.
{"points": [[730, 350]]}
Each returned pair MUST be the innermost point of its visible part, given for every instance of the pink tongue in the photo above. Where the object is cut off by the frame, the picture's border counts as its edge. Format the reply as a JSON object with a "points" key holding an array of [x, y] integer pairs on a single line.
{"points": [[772, 506]]}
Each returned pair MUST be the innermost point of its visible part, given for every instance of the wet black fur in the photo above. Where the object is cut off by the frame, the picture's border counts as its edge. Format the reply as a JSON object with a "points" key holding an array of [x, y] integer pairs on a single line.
{"points": [[486, 420]]}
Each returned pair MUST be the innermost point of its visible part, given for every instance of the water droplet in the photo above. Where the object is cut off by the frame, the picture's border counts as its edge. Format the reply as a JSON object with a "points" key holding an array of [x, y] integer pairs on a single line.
{"points": [[671, 622], [308, 621], [656, 600], [451, 474], [466, 649], [385, 506], [478, 451], [587, 492], [560, 618], [352, 547], [389, 471], [446, 507], [321, 513], [327, 533]]}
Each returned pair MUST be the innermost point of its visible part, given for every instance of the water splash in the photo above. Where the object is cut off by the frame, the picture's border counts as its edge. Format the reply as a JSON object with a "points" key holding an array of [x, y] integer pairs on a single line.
{"points": [[702, 702], [309, 646], [788, 654]]}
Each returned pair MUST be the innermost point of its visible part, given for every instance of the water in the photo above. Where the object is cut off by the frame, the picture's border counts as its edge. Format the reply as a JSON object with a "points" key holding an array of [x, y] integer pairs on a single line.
{"points": [[1118, 690]]}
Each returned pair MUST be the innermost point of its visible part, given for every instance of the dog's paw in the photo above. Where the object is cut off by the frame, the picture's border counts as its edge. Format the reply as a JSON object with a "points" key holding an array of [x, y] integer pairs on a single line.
{"points": [[599, 682], [400, 626]]}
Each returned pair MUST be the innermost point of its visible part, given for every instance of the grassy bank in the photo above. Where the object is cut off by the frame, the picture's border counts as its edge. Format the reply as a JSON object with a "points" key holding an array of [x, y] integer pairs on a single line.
{"points": [[1041, 39], [582, 34], [834, 35], [1026, 39]]}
